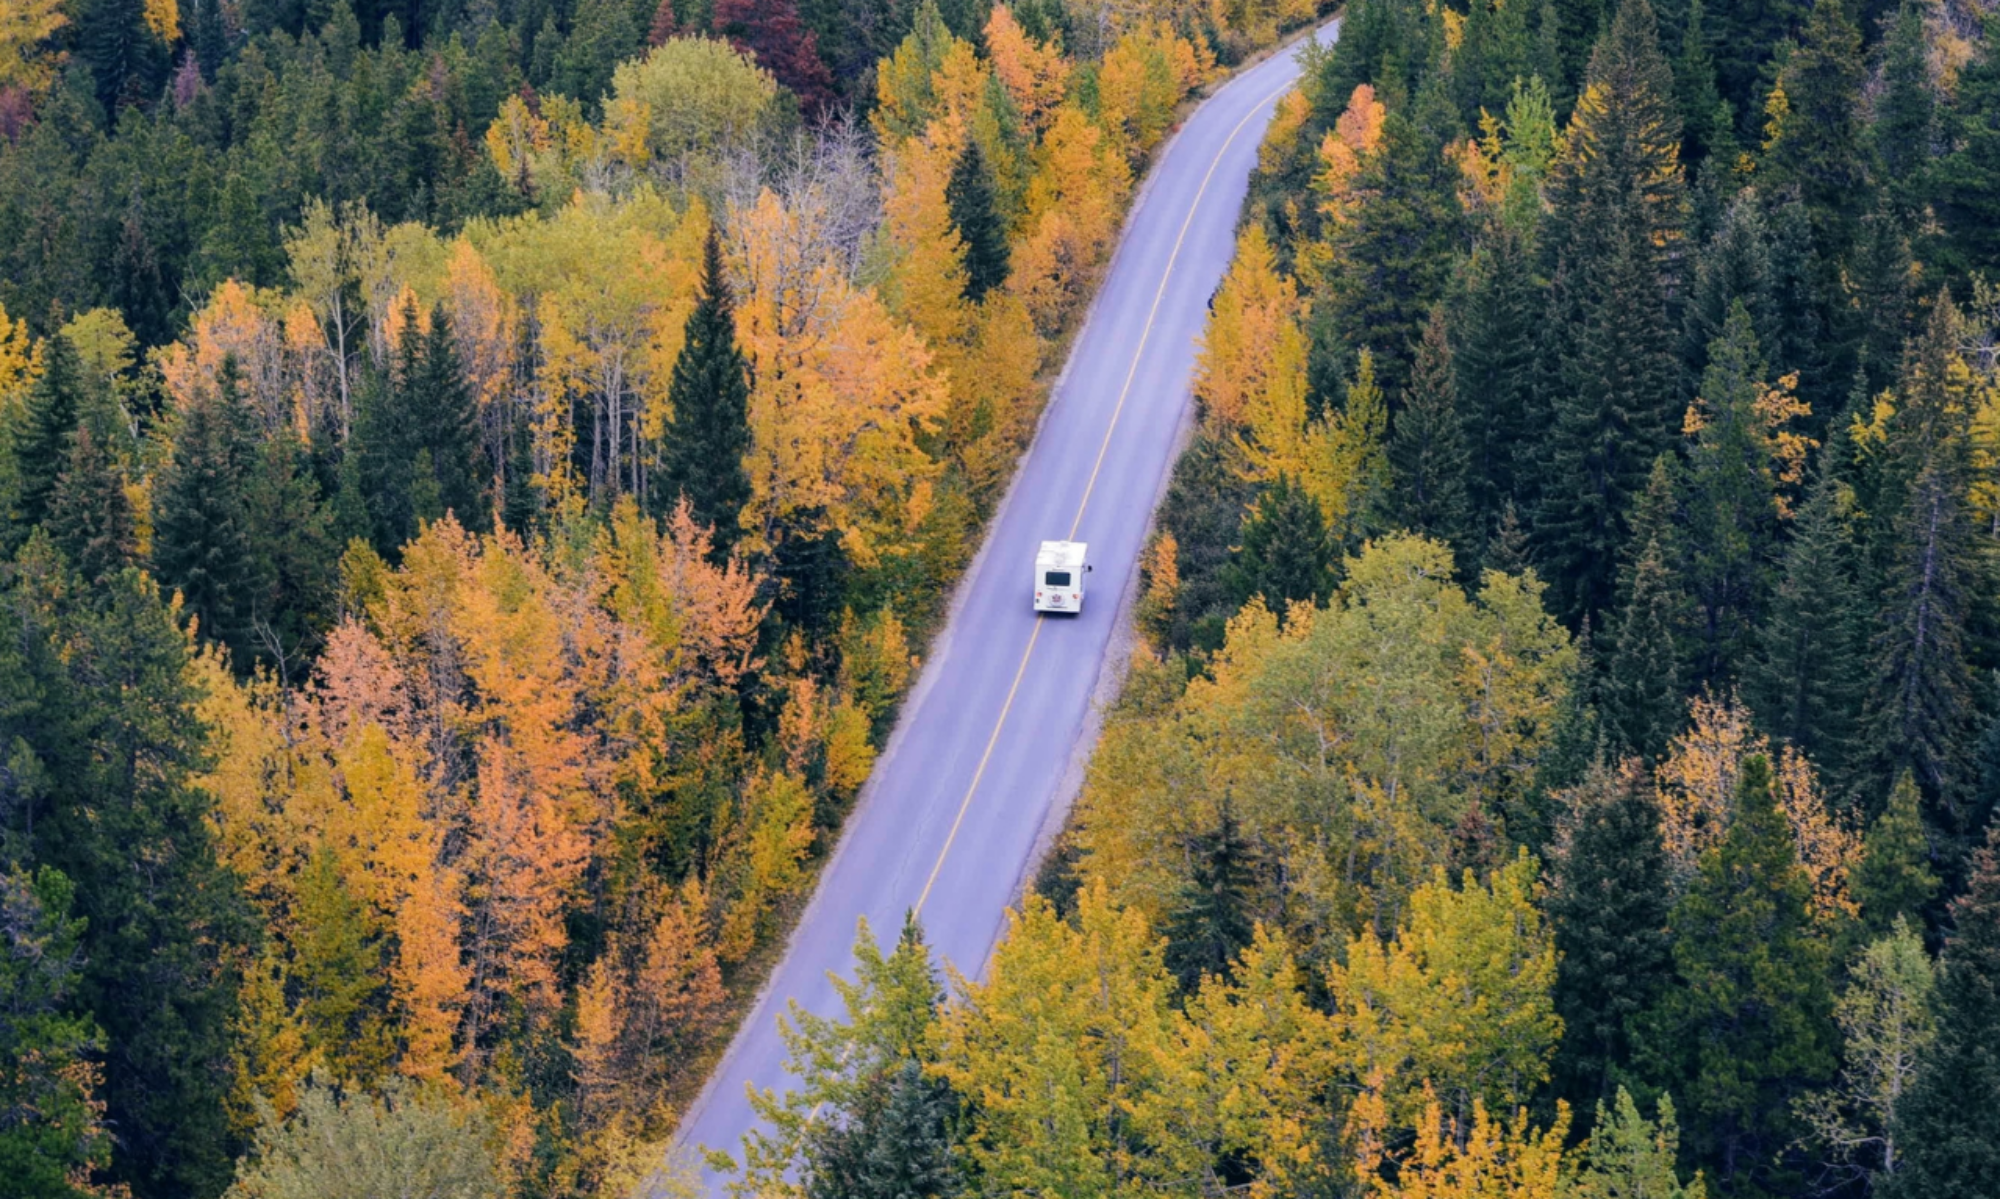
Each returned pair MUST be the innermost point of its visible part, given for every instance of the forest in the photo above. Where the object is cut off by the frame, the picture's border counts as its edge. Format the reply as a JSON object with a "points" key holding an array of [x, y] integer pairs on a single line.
{"points": [[1561, 755], [477, 479], [475, 483]]}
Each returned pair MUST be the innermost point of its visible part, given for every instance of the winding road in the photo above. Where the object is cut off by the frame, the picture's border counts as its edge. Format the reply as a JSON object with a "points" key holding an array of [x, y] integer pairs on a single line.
{"points": [[990, 742]]}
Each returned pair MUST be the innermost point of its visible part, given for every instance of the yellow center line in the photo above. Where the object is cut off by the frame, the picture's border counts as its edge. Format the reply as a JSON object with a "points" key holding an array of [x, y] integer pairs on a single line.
{"points": [[979, 772]]}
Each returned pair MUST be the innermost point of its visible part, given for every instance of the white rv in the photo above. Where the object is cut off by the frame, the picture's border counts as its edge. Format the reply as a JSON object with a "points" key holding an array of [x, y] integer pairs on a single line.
{"points": [[1059, 571]]}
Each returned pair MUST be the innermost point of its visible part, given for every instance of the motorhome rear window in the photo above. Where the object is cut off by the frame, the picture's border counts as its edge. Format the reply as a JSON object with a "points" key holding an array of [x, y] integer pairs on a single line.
{"points": [[1056, 578]]}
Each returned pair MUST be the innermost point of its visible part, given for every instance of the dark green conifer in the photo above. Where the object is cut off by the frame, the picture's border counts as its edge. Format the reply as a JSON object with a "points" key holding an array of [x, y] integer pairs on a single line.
{"points": [[1427, 459], [1286, 553], [90, 518], [1894, 877], [969, 196], [1806, 678], [1905, 132], [1820, 146], [444, 420], [1731, 506], [40, 438], [1494, 337], [1611, 382], [1211, 921], [1644, 696], [1966, 188], [1608, 909], [202, 536], [1949, 1123], [1747, 1027], [53, 1137], [709, 395]]}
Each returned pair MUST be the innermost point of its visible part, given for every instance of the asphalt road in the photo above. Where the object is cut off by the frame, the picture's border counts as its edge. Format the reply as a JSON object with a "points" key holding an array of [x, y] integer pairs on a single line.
{"points": [[950, 818]]}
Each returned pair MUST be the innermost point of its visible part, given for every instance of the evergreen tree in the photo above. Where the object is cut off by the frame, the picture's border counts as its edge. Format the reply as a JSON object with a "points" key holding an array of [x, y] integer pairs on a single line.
{"points": [[1643, 697], [1733, 267], [1493, 360], [1950, 1120], [443, 418], [90, 518], [899, 1143], [1966, 191], [1609, 911], [1610, 389], [1705, 116], [1808, 673], [1427, 459], [1286, 553], [1748, 1027], [1731, 505], [1211, 921], [201, 525], [1905, 132], [41, 435], [969, 196], [293, 553], [1819, 146], [1894, 877], [1920, 705], [114, 740], [1391, 262], [709, 395], [52, 1139]]}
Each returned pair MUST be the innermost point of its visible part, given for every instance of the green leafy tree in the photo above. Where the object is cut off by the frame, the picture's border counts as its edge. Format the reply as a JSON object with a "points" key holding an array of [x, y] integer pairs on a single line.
{"points": [[1747, 1028], [346, 1145], [1887, 1021], [1947, 1119], [709, 395], [1631, 1157], [969, 197], [1609, 908], [1428, 463]]}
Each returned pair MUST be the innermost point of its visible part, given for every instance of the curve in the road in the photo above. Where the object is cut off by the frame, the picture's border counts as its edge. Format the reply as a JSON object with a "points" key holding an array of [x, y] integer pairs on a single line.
{"points": [[948, 822]]}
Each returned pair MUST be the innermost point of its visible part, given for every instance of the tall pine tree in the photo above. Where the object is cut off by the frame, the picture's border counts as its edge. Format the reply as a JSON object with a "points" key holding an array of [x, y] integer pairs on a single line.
{"points": [[1211, 920], [709, 431], [40, 437], [1609, 911], [201, 524], [1950, 1121], [1428, 464], [969, 196], [1748, 1027], [1610, 392]]}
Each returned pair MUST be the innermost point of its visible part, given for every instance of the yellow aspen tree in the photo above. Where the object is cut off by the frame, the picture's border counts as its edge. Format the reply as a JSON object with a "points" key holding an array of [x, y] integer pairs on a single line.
{"points": [[26, 26], [236, 321], [1253, 309], [1459, 1001], [1060, 1051], [1144, 75], [19, 359], [842, 392], [431, 978], [1035, 74], [163, 18], [1492, 1159], [1250, 1062], [925, 286], [1342, 152]]}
